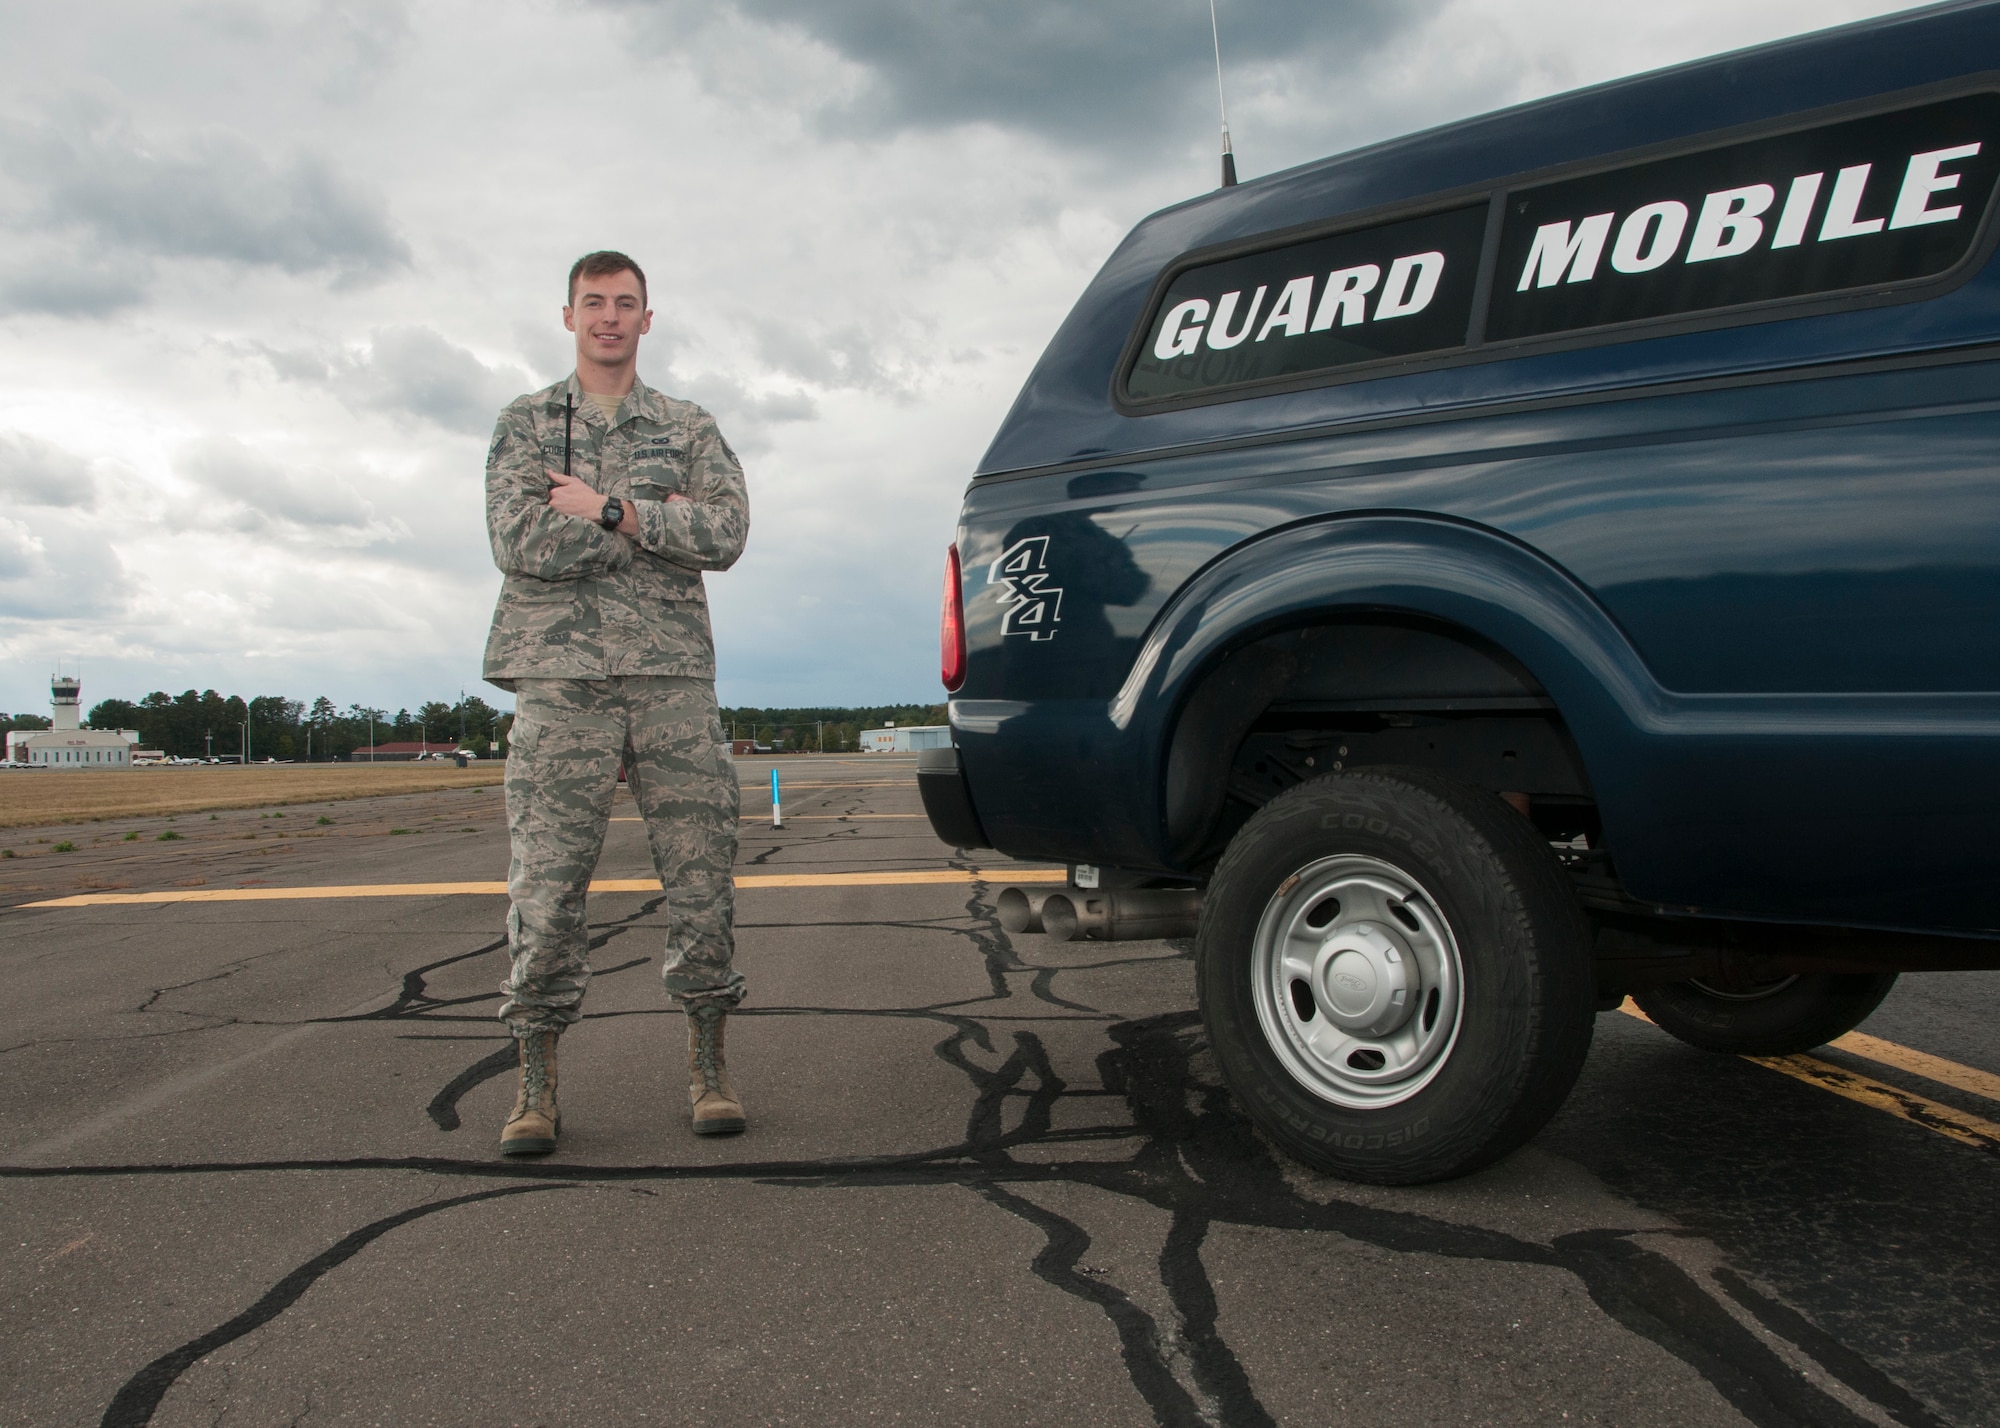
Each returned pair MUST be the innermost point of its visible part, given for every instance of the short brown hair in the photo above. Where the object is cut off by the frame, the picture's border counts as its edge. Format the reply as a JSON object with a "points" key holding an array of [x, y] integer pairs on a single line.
{"points": [[603, 265]]}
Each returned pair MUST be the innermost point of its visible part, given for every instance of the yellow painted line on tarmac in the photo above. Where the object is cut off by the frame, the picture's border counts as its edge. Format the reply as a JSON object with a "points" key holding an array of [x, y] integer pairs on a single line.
{"points": [[271, 894], [1920, 1063], [802, 817], [904, 879], [909, 877], [1918, 1110], [1949, 1121]]}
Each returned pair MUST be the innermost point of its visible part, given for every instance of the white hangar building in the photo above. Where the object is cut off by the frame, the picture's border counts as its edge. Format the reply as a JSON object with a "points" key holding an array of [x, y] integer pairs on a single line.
{"points": [[907, 740], [69, 745]]}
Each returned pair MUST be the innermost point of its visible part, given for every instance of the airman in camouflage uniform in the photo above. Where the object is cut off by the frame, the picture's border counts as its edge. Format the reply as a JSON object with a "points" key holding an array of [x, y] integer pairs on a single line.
{"points": [[602, 631]]}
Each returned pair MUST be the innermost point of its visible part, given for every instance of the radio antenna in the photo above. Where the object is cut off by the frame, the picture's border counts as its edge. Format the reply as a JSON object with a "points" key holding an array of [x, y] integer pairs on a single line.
{"points": [[1228, 157]]}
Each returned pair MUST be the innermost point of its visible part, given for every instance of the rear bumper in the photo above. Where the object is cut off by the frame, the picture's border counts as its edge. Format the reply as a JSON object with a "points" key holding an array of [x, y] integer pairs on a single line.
{"points": [[948, 799]]}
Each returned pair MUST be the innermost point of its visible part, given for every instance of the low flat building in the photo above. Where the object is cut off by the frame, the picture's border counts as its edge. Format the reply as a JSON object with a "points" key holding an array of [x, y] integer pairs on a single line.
{"points": [[906, 740], [402, 752], [68, 745], [71, 748]]}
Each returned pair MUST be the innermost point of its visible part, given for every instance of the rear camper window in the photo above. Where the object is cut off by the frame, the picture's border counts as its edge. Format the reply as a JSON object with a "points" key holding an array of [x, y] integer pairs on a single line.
{"points": [[1854, 206]]}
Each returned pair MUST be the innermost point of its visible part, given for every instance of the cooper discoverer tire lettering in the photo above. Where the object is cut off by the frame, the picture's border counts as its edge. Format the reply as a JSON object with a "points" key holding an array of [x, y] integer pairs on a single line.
{"points": [[1394, 975]]}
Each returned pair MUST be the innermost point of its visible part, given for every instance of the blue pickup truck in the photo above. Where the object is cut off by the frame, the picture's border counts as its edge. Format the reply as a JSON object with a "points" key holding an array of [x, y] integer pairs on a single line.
{"points": [[1546, 559]]}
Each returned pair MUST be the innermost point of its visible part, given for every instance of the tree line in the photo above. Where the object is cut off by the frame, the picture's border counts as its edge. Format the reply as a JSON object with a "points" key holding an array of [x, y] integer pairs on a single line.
{"points": [[821, 730], [196, 724]]}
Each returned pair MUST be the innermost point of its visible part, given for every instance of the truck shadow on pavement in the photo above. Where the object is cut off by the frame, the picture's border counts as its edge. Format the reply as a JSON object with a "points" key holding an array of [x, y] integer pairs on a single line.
{"points": [[1197, 1159]]}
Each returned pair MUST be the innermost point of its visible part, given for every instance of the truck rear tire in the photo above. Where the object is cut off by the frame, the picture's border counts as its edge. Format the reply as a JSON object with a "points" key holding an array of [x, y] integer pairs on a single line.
{"points": [[1779, 1018], [1394, 976]]}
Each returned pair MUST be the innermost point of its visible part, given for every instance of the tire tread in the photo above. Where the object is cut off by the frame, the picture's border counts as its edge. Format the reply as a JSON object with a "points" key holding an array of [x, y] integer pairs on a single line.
{"points": [[1505, 879]]}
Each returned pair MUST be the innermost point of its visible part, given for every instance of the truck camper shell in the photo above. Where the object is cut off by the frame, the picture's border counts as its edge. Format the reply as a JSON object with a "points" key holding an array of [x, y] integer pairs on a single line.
{"points": [[1074, 410]]}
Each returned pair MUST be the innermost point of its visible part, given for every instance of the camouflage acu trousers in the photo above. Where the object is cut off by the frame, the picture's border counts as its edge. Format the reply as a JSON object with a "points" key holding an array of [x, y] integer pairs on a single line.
{"points": [[569, 738]]}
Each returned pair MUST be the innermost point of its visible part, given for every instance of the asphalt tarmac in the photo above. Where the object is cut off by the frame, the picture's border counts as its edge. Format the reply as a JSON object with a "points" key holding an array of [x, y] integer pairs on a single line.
{"points": [[249, 1172]]}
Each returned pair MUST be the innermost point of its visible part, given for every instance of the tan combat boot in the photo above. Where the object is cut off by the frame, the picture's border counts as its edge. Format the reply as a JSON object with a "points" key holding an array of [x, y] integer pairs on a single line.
{"points": [[531, 1129], [716, 1109]]}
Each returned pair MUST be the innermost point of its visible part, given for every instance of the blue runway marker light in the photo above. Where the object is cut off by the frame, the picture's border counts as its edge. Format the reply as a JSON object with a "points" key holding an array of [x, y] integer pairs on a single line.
{"points": [[777, 807]]}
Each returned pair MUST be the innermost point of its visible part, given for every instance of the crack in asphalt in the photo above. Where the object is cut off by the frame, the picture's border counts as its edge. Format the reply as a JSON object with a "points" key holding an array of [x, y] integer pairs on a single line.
{"points": [[139, 1397], [443, 1107], [229, 969], [210, 1021], [1200, 1162], [1197, 1158]]}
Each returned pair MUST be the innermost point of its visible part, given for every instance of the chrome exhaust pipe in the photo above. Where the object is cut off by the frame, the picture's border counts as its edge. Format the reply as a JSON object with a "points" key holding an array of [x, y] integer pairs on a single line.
{"points": [[1129, 915], [1020, 911]]}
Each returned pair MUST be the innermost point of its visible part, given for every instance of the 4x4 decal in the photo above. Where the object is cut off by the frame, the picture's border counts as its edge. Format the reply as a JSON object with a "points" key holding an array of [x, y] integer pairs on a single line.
{"points": [[1034, 607]]}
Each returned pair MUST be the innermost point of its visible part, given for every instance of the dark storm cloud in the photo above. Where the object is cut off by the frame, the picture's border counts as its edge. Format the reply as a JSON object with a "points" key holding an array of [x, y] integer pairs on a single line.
{"points": [[210, 196], [1103, 74]]}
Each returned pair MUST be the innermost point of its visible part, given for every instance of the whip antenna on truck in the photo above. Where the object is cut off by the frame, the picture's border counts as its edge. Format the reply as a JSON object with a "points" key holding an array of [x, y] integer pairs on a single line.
{"points": [[1228, 157]]}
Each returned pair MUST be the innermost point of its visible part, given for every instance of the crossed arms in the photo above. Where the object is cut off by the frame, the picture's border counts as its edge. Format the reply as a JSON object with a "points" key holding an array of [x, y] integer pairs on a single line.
{"points": [[544, 524]]}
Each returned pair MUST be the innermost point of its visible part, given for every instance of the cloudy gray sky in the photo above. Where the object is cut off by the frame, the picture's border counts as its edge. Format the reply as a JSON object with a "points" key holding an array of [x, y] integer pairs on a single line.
{"points": [[268, 271]]}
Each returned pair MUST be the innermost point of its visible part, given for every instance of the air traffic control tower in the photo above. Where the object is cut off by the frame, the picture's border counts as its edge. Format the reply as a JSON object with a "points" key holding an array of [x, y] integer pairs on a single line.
{"points": [[67, 744], [65, 697]]}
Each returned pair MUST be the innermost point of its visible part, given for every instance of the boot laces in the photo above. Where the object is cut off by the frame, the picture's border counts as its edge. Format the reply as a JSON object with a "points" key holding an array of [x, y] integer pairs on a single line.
{"points": [[706, 1053], [535, 1071]]}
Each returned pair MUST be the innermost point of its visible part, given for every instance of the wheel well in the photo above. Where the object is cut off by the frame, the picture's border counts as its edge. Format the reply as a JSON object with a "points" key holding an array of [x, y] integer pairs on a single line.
{"points": [[1360, 691]]}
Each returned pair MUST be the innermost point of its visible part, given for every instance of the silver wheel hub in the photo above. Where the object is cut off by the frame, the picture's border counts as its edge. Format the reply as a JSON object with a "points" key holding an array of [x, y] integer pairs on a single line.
{"points": [[1361, 980], [1357, 981]]}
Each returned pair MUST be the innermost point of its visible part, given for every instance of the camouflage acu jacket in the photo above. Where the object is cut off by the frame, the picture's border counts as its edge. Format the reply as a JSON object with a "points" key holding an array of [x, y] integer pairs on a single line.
{"points": [[581, 602]]}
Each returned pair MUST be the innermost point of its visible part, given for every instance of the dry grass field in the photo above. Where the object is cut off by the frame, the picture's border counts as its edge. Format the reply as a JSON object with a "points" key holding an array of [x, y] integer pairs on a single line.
{"points": [[33, 799]]}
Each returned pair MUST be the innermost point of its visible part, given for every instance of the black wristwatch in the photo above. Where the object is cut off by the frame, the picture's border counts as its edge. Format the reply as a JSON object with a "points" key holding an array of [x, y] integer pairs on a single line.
{"points": [[612, 514]]}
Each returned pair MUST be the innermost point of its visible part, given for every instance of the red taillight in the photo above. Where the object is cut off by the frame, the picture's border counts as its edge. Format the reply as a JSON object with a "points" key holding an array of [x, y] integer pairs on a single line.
{"points": [[951, 626]]}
